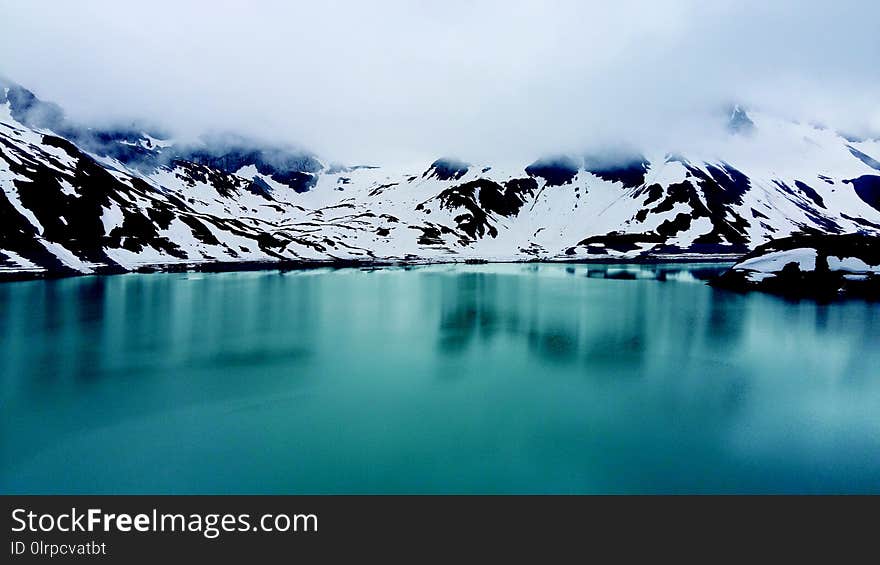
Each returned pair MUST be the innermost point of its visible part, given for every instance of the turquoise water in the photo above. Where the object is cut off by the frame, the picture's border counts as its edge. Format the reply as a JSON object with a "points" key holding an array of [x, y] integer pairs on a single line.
{"points": [[445, 379]]}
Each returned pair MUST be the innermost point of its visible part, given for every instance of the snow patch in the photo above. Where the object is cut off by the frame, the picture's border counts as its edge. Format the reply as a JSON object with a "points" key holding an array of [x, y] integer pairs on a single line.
{"points": [[12, 195], [112, 218], [66, 256], [21, 263], [803, 257], [67, 188], [852, 265]]}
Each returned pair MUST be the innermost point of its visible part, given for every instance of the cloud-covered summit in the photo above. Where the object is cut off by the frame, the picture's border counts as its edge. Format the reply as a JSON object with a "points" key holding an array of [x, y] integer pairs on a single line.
{"points": [[396, 80]]}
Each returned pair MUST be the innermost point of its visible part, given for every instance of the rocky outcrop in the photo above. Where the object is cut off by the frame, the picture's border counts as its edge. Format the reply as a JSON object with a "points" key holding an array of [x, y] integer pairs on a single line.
{"points": [[815, 266]]}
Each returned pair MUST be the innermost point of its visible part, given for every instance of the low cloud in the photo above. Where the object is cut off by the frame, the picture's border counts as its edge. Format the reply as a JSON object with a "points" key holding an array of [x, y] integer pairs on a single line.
{"points": [[402, 80]]}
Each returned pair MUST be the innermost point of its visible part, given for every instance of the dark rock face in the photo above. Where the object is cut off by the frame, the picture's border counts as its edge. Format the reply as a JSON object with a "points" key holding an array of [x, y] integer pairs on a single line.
{"points": [[508, 200], [74, 220], [258, 186], [482, 198], [623, 242], [810, 193], [722, 188], [298, 170], [820, 282], [629, 172], [20, 237], [555, 171], [868, 189], [68, 201], [227, 185], [714, 194], [447, 169]]}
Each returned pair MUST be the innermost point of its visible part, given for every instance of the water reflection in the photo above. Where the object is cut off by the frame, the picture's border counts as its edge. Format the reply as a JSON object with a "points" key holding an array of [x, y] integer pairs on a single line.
{"points": [[589, 326], [79, 330], [470, 309], [484, 378]]}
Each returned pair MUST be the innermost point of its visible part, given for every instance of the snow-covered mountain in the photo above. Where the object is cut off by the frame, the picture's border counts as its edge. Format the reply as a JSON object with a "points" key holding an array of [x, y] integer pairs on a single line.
{"points": [[80, 200]]}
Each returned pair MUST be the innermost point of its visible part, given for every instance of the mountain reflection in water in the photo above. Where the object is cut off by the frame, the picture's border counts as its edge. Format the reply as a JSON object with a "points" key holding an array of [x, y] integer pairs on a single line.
{"points": [[478, 378]]}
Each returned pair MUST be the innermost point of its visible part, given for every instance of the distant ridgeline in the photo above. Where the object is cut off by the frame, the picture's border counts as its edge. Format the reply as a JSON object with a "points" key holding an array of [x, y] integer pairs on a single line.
{"points": [[78, 200]]}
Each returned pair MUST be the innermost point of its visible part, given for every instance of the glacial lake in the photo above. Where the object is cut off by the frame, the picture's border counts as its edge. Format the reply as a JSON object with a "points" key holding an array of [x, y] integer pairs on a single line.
{"points": [[518, 378]]}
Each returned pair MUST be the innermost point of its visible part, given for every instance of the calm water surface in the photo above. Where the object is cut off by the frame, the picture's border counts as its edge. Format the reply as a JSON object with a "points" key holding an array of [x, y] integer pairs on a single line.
{"points": [[467, 379]]}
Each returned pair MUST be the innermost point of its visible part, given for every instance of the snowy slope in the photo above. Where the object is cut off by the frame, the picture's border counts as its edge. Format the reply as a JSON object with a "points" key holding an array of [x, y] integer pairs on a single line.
{"points": [[77, 200]]}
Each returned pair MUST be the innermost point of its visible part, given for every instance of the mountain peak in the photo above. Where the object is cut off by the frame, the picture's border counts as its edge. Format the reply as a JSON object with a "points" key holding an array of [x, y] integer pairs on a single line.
{"points": [[739, 122]]}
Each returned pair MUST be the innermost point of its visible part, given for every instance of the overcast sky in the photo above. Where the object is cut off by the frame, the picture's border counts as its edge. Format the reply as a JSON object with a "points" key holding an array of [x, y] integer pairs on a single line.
{"points": [[386, 80]]}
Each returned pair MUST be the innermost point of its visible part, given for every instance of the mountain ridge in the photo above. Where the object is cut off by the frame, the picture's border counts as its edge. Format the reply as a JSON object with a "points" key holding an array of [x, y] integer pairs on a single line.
{"points": [[78, 200]]}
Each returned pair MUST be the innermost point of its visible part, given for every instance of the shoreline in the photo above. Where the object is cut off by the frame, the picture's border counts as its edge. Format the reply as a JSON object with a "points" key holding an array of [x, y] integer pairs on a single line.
{"points": [[250, 266]]}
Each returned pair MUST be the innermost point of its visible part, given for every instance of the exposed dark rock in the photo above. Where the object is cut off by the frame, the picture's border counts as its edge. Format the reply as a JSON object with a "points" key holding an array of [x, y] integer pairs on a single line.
{"points": [[810, 193], [868, 189], [227, 185], [722, 188], [821, 282], [482, 198], [555, 171], [623, 242], [629, 172], [296, 169], [447, 169], [431, 235], [861, 221], [259, 187]]}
